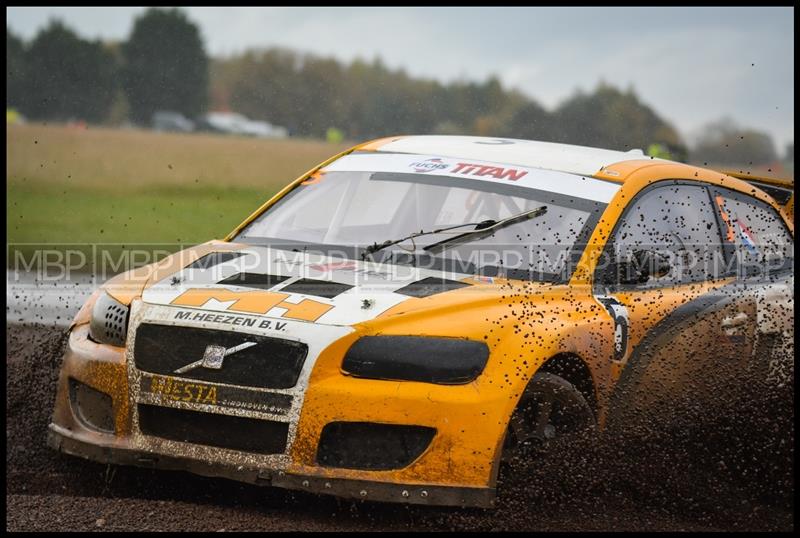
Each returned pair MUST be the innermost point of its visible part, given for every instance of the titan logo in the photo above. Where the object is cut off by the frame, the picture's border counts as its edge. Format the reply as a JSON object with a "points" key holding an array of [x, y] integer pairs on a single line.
{"points": [[255, 302], [496, 172]]}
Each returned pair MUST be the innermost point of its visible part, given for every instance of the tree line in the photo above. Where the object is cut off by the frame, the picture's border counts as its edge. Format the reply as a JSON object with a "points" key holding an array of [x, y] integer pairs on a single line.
{"points": [[61, 76], [163, 66], [308, 94]]}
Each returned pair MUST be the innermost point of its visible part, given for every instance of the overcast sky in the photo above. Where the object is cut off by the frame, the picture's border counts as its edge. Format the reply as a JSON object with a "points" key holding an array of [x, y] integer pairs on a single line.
{"points": [[692, 65]]}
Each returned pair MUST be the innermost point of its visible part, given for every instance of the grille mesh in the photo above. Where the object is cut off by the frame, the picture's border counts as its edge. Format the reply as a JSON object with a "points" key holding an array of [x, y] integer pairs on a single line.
{"points": [[211, 429], [272, 363]]}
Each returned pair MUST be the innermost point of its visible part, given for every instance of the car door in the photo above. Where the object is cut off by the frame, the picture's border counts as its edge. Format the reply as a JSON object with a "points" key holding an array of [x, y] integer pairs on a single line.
{"points": [[761, 250], [681, 326]]}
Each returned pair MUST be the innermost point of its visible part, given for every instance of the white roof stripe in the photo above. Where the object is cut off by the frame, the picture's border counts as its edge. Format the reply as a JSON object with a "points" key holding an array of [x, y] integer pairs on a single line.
{"points": [[580, 160], [468, 169]]}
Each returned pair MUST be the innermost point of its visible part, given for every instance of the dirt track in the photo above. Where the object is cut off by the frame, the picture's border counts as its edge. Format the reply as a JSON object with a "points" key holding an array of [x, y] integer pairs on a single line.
{"points": [[671, 482]]}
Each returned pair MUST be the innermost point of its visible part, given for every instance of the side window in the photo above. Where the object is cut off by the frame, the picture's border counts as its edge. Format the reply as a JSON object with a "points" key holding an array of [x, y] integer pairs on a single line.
{"points": [[753, 233], [668, 236]]}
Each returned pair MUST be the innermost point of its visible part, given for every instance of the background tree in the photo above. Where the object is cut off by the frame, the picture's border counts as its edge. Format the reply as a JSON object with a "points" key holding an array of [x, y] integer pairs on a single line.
{"points": [[166, 67], [15, 70], [59, 76], [259, 84], [724, 142], [308, 94], [610, 118], [67, 77], [533, 122]]}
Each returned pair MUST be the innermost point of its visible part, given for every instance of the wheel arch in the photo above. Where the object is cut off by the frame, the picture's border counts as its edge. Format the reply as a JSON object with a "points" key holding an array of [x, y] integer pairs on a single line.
{"points": [[571, 368], [575, 370]]}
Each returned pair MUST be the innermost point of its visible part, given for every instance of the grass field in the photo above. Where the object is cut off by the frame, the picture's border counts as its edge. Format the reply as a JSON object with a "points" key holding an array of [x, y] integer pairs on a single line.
{"points": [[72, 185]]}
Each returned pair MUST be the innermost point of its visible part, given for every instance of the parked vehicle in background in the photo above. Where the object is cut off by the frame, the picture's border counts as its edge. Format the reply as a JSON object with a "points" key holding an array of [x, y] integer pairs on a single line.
{"points": [[263, 129], [234, 123], [167, 120]]}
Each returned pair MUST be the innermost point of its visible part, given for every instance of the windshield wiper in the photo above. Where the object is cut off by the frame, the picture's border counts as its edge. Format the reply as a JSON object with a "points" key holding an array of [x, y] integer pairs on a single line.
{"points": [[485, 231], [376, 247]]}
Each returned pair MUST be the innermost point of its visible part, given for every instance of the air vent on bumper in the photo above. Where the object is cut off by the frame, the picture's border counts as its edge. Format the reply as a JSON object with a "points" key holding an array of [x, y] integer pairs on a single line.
{"points": [[372, 446], [92, 407], [211, 429]]}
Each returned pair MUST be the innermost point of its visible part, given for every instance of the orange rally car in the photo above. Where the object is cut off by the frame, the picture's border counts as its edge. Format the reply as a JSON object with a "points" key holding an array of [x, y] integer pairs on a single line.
{"points": [[406, 316]]}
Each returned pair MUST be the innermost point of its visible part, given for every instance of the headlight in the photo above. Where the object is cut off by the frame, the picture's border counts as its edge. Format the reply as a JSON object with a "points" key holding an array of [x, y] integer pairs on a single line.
{"points": [[446, 361], [109, 322]]}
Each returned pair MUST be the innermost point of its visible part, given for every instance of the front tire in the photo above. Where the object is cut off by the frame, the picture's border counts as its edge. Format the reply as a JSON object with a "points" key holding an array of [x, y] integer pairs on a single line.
{"points": [[550, 409]]}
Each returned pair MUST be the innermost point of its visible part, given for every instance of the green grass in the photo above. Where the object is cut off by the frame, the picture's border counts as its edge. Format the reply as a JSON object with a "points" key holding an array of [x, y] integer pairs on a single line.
{"points": [[118, 188], [41, 214], [102, 223]]}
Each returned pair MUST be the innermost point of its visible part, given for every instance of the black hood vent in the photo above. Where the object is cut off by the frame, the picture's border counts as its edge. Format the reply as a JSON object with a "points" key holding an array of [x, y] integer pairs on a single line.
{"points": [[214, 258], [320, 288], [254, 280], [430, 286]]}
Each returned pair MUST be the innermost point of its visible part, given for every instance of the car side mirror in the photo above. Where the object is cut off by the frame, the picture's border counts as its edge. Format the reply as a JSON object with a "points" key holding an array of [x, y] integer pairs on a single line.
{"points": [[652, 264], [637, 268]]}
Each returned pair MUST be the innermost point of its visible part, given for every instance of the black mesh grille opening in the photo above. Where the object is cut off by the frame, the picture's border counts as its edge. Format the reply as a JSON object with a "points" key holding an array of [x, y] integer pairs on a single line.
{"points": [[320, 288], [115, 323], [254, 280], [92, 407], [272, 363], [371, 446], [212, 259], [430, 286], [222, 431]]}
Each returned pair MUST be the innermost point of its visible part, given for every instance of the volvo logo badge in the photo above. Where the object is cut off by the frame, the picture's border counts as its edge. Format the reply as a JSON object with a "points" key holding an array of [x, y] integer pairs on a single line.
{"points": [[213, 357]]}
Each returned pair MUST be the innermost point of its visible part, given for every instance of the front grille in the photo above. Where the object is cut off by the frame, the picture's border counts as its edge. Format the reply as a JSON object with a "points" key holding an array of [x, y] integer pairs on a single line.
{"points": [[222, 431], [372, 446], [272, 363]]}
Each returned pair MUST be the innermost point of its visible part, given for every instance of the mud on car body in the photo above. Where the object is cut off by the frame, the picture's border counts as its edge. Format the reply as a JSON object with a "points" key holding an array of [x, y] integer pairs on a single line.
{"points": [[405, 317]]}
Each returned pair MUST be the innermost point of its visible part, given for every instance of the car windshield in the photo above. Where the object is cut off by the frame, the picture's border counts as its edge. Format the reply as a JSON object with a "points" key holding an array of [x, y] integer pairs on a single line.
{"points": [[357, 209]]}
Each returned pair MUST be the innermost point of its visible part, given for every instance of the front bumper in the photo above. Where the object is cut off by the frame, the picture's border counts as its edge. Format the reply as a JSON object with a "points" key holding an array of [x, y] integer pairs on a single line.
{"points": [[69, 442], [434, 479]]}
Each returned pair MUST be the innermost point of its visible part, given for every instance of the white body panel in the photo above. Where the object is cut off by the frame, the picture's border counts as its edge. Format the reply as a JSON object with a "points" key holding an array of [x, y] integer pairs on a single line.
{"points": [[579, 160]]}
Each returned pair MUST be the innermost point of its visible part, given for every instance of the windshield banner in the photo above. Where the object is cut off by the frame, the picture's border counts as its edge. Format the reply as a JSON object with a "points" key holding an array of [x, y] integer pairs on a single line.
{"points": [[469, 169]]}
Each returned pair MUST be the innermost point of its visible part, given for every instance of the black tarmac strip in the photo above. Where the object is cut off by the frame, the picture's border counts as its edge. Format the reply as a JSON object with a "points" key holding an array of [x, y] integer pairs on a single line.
{"points": [[733, 471]]}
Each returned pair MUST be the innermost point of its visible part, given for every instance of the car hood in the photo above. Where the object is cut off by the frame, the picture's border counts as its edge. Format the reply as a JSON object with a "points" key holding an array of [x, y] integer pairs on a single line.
{"points": [[290, 285]]}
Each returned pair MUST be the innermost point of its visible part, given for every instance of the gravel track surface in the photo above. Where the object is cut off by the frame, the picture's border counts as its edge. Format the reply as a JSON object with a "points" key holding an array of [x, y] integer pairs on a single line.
{"points": [[675, 481]]}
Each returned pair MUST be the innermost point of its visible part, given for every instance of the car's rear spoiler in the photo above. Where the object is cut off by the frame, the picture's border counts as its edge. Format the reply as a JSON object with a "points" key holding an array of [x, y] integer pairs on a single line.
{"points": [[782, 190]]}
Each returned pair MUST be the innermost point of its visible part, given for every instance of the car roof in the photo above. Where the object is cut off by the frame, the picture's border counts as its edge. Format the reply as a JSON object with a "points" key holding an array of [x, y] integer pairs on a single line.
{"points": [[581, 160]]}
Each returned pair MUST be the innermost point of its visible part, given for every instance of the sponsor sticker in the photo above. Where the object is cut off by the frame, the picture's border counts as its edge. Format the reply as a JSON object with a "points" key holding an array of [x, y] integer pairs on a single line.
{"points": [[167, 389], [429, 165], [747, 236], [255, 301], [485, 170], [237, 321]]}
